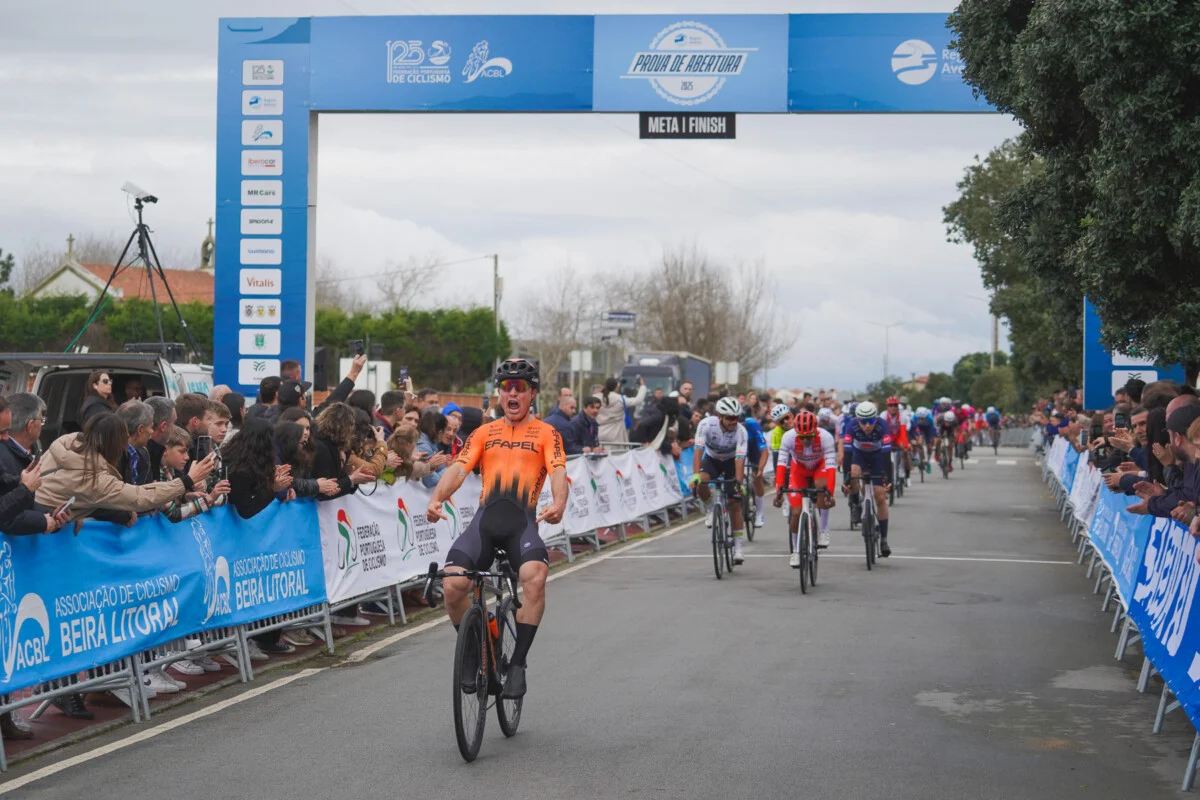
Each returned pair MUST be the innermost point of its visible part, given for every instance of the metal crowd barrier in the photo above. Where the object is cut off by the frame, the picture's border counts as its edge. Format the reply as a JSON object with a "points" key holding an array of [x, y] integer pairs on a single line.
{"points": [[125, 677], [1129, 634]]}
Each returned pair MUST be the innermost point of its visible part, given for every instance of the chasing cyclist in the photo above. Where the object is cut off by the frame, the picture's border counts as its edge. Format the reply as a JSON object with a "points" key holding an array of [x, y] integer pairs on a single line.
{"points": [[870, 444], [515, 454], [897, 423], [757, 455], [721, 445], [924, 427], [807, 457], [993, 420]]}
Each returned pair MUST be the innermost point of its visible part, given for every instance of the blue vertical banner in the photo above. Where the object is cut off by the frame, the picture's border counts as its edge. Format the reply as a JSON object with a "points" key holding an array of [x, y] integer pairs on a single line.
{"points": [[1104, 371], [691, 63], [876, 63], [262, 314]]}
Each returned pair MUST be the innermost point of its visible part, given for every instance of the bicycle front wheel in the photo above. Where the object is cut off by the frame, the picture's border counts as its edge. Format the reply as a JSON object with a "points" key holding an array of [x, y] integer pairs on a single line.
{"points": [[728, 544], [803, 546], [718, 542], [470, 684], [750, 510], [508, 712]]}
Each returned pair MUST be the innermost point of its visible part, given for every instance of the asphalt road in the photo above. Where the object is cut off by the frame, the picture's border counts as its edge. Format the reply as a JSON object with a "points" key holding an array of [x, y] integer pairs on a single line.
{"points": [[974, 663]]}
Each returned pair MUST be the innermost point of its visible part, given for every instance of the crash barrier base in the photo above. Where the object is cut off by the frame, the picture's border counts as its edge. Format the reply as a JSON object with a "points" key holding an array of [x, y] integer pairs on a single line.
{"points": [[1078, 522], [125, 677]]}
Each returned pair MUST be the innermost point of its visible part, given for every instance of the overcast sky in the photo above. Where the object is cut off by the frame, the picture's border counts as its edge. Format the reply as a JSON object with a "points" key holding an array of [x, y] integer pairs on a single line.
{"points": [[845, 210]]}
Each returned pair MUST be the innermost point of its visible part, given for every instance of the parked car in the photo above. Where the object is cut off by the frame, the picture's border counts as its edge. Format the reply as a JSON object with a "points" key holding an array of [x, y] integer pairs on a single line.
{"points": [[60, 379]]}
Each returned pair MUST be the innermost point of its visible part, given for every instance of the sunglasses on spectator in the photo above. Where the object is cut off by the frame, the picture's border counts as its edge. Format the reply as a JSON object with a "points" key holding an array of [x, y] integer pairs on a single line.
{"points": [[514, 385], [105, 381]]}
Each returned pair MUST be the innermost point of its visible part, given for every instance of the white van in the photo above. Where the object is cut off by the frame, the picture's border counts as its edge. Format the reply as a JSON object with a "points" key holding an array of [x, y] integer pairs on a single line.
{"points": [[61, 380]]}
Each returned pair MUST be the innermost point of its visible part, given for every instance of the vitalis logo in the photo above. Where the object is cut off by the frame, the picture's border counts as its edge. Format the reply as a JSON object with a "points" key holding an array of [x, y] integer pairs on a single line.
{"points": [[688, 63], [216, 571], [13, 616]]}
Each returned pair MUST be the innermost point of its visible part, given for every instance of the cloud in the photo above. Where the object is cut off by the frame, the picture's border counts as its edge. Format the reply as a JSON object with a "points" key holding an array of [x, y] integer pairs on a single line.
{"points": [[845, 210]]}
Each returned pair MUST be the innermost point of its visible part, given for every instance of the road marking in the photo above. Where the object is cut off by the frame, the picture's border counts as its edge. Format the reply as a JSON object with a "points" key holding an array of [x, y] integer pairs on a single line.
{"points": [[357, 656], [150, 733], [860, 555], [1006, 462]]}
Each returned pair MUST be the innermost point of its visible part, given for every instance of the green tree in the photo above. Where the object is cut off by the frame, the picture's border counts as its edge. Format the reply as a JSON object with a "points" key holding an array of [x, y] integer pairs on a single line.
{"points": [[1044, 323], [1109, 98], [994, 387], [970, 367], [7, 265], [940, 384]]}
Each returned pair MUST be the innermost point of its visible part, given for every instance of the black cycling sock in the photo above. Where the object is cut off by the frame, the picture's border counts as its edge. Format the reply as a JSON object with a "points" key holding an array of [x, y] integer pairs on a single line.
{"points": [[883, 528], [525, 634]]}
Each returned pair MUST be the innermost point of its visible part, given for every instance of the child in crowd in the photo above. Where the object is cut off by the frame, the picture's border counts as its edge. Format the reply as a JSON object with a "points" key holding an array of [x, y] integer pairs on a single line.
{"points": [[174, 459]]}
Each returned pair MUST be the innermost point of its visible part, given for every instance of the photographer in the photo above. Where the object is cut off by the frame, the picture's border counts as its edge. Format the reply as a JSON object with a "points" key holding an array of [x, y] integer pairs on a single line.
{"points": [[20, 472]]}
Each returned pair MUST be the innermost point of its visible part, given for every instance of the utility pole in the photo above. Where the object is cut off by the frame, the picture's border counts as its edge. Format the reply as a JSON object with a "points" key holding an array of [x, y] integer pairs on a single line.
{"points": [[496, 299], [995, 339], [886, 342]]}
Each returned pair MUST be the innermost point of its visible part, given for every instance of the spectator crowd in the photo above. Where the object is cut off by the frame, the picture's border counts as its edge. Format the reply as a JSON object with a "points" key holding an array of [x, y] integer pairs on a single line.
{"points": [[1146, 445], [184, 457]]}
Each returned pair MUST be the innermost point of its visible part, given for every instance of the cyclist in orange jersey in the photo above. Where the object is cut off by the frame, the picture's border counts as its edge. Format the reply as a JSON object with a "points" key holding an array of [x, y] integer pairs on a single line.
{"points": [[515, 454]]}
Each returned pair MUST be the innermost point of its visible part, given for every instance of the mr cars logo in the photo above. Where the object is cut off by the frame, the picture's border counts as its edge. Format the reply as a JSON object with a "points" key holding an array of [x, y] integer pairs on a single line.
{"points": [[20, 650], [688, 63]]}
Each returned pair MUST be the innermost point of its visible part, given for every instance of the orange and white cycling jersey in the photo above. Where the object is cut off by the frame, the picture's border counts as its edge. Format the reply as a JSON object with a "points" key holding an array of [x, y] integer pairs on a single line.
{"points": [[514, 460]]}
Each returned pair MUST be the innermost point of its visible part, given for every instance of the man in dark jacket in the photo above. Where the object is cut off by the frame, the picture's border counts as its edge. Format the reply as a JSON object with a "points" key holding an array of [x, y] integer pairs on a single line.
{"points": [[164, 422], [584, 429], [664, 412], [20, 426], [560, 419], [1184, 488], [268, 400], [340, 393]]}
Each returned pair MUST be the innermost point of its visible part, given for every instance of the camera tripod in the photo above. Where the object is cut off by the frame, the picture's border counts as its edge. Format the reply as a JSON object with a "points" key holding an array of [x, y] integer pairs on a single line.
{"points": [[141, 259]]}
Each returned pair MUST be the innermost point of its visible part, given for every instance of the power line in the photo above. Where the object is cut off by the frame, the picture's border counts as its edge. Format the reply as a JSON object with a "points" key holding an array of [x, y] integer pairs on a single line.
{"points": [[425, 269]]}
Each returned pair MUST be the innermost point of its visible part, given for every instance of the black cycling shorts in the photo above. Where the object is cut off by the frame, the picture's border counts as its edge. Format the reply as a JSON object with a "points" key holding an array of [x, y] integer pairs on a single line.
{"points": [[500, 525], [716, 470]]}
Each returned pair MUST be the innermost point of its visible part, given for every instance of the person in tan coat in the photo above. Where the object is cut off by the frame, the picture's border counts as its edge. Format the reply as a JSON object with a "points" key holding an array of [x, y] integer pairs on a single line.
{"points": [[84, 466]]}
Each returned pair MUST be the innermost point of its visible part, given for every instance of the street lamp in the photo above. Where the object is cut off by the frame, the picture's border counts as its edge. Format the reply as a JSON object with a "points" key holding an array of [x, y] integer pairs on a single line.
{"points": [[886, 341]]}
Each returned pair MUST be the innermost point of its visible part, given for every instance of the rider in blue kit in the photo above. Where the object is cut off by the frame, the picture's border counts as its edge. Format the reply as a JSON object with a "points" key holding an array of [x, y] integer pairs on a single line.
{"points": [[757, 453]]}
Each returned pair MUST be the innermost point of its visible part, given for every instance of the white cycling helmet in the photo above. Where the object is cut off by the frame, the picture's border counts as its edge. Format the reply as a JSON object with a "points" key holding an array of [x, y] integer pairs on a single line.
{"points": [[922, 411], [991, 410], [949, 417], [866, 410], [824, 415], [779, 412], [728, 407]]}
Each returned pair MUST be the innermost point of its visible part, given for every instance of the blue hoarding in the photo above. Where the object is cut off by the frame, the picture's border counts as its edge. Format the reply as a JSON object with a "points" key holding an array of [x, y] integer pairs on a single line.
{"points": [[1105, 372], [452, 63], [875, 63], [71, 602], [702, 63]]}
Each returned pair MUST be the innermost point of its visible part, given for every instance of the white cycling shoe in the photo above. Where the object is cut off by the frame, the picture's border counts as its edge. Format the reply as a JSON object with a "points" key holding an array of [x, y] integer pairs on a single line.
{"points": [[794, 561], [738, 558], [823, 539], [761, 522], [708, 517]]}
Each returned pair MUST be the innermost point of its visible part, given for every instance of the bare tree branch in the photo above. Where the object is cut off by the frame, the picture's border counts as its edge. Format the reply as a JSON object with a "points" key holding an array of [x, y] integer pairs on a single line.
{"points": [[558, 319]]}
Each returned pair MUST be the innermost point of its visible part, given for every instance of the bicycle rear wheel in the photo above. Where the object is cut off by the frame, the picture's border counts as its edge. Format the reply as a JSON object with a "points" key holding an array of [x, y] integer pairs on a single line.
{"points": [[508, 712], [718, 542], [945, 461], [728, 544], [749, 509], [812, 557], [868, 527], [802, 544], [470, 707]]}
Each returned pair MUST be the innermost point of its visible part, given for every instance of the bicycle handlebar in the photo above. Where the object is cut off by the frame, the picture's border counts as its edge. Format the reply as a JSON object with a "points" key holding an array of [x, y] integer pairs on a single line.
{"points": [[477, 576]]}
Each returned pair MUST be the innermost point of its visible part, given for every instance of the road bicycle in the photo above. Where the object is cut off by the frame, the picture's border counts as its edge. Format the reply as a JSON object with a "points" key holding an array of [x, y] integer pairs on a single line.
{"points": [[945, 455], [482, 653], [919, 459], [897, 487], [806, 533], [870, 518], [749, 503], [995, 441], [722, 528], [961, 447]]}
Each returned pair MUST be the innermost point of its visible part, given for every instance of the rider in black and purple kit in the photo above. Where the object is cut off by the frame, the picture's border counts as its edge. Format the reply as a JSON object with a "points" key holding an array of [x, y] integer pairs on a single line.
{"points": [[869, 443]]}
